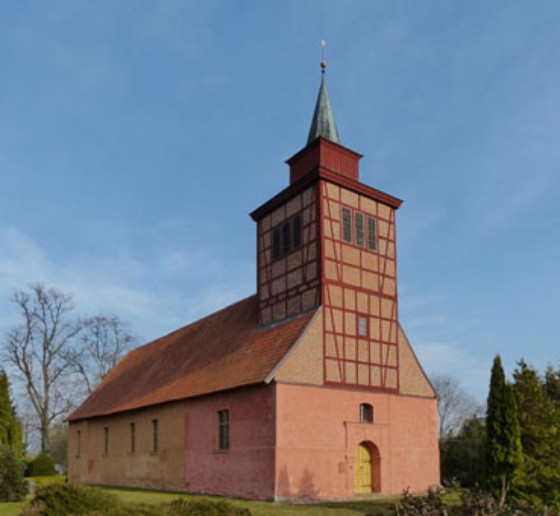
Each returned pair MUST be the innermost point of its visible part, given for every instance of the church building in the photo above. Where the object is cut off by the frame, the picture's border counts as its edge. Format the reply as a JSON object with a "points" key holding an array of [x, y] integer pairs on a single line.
{"points": [[307, 390]]}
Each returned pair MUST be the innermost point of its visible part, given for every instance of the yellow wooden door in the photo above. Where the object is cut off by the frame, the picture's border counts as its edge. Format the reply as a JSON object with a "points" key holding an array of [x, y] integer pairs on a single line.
{"points": [[363, 479]]}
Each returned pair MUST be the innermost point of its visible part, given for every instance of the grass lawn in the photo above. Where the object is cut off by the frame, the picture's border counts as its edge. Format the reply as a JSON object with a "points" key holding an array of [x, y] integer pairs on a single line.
{"points": [[355, 508], [11, 509], [351, 508]]}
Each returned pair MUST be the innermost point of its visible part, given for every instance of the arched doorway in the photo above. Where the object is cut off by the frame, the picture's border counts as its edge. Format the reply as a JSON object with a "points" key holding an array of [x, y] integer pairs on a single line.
{"points": [[366, 468]]}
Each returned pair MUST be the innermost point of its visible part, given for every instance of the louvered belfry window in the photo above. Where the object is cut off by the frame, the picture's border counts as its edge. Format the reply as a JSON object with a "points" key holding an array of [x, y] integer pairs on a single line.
{"points": [[358, 233], [359, 222], [372, 234], [347, 225], [287, 237], [276, 249]]}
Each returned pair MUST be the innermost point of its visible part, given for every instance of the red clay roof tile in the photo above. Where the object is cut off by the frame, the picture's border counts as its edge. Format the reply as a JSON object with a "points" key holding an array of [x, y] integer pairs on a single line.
{"points": [[222, 351]]}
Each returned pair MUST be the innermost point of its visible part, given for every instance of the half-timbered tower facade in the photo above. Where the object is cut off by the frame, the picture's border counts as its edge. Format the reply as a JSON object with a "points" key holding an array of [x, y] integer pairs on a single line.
{"points": [[307, 390]]}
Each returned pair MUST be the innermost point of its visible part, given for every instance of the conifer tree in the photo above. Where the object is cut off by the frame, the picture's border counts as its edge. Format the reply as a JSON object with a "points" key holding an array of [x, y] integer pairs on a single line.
{"points": [[503, 440], [10, 426], [5, 408], [552, 385], [539, 476]]}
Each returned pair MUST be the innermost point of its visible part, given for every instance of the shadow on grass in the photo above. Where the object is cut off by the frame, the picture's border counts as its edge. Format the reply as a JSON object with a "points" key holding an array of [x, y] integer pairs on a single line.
{"points": [[373, 507]]}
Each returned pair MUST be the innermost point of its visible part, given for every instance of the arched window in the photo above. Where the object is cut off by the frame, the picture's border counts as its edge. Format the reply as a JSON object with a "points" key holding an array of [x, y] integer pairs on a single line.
{"points": [[366, 413]]}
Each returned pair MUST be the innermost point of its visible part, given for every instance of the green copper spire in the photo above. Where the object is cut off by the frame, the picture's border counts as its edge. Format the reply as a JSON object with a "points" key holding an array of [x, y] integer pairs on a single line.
{"points": [[323, 123]]}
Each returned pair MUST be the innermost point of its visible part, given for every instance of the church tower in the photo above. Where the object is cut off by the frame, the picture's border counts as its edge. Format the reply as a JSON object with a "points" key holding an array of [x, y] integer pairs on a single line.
{"points": [[330, 240]]}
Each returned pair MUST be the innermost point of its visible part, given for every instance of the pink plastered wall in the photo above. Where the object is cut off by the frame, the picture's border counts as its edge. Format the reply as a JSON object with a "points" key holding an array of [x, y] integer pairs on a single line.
{"points": [[318, 431], [246, 470]]}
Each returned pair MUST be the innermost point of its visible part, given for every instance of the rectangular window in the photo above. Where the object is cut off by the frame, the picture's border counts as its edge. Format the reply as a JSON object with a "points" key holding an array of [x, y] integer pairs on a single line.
{"points": [[276, 244], [155, 437], [287, 241], [372, 233], [78, 443], [362, 326], [224, 429], [297, 231], [132, 437], [359, 221], [366, 413], [106, 440], [347, 225]]}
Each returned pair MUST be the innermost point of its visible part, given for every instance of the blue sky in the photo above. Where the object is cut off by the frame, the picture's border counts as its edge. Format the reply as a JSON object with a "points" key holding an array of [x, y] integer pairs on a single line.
{"points": [[136, 136]]}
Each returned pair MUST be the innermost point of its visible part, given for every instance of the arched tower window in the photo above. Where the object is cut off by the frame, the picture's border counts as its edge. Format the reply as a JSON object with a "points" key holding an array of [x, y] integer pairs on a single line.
{"points": [[366, 413]]}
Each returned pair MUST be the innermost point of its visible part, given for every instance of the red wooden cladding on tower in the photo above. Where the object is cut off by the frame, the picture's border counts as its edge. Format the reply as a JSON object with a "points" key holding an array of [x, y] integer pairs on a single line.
{"points": [[326, 154]]}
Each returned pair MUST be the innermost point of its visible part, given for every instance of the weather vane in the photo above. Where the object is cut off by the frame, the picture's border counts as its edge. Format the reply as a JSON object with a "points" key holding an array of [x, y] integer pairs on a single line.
{"points": [[323, 62]]}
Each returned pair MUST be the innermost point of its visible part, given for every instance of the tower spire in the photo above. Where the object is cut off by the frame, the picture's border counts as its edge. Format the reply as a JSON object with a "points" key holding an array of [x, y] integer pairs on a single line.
{"points": [[323, 123]]}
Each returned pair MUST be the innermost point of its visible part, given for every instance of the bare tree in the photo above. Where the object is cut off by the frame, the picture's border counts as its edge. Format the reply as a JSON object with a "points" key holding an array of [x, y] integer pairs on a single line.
{"points": [[454, 405], [43, 350], [104, 340]]}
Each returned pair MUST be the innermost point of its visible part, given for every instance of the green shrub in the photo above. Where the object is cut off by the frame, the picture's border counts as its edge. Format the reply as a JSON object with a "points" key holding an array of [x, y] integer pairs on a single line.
{"points": [[64, 499], [13, 486], [476, 501], [182, 507], [43, 481], [431, 504], [41, 466]]}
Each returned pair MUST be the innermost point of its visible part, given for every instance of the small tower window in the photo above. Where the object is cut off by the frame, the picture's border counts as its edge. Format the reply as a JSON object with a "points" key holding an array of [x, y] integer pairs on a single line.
{"points": [[372, 234], [347, 225], [366, 413], [362, 326]]}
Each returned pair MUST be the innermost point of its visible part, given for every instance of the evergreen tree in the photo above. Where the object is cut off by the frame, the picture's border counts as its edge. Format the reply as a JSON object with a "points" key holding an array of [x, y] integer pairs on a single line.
{"points": [[539, 476], [13, 486], [462, 455], [10, 426], [552, 385], [503, 440], [5, 408], [15, 435]]}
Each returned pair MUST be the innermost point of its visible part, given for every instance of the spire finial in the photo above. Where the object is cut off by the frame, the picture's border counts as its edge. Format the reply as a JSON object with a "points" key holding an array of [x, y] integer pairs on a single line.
{"points": [[323, 62]]}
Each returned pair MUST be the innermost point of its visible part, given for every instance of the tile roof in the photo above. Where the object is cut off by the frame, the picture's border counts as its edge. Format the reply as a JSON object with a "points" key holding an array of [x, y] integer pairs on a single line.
{"points": [[222, 351]]}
